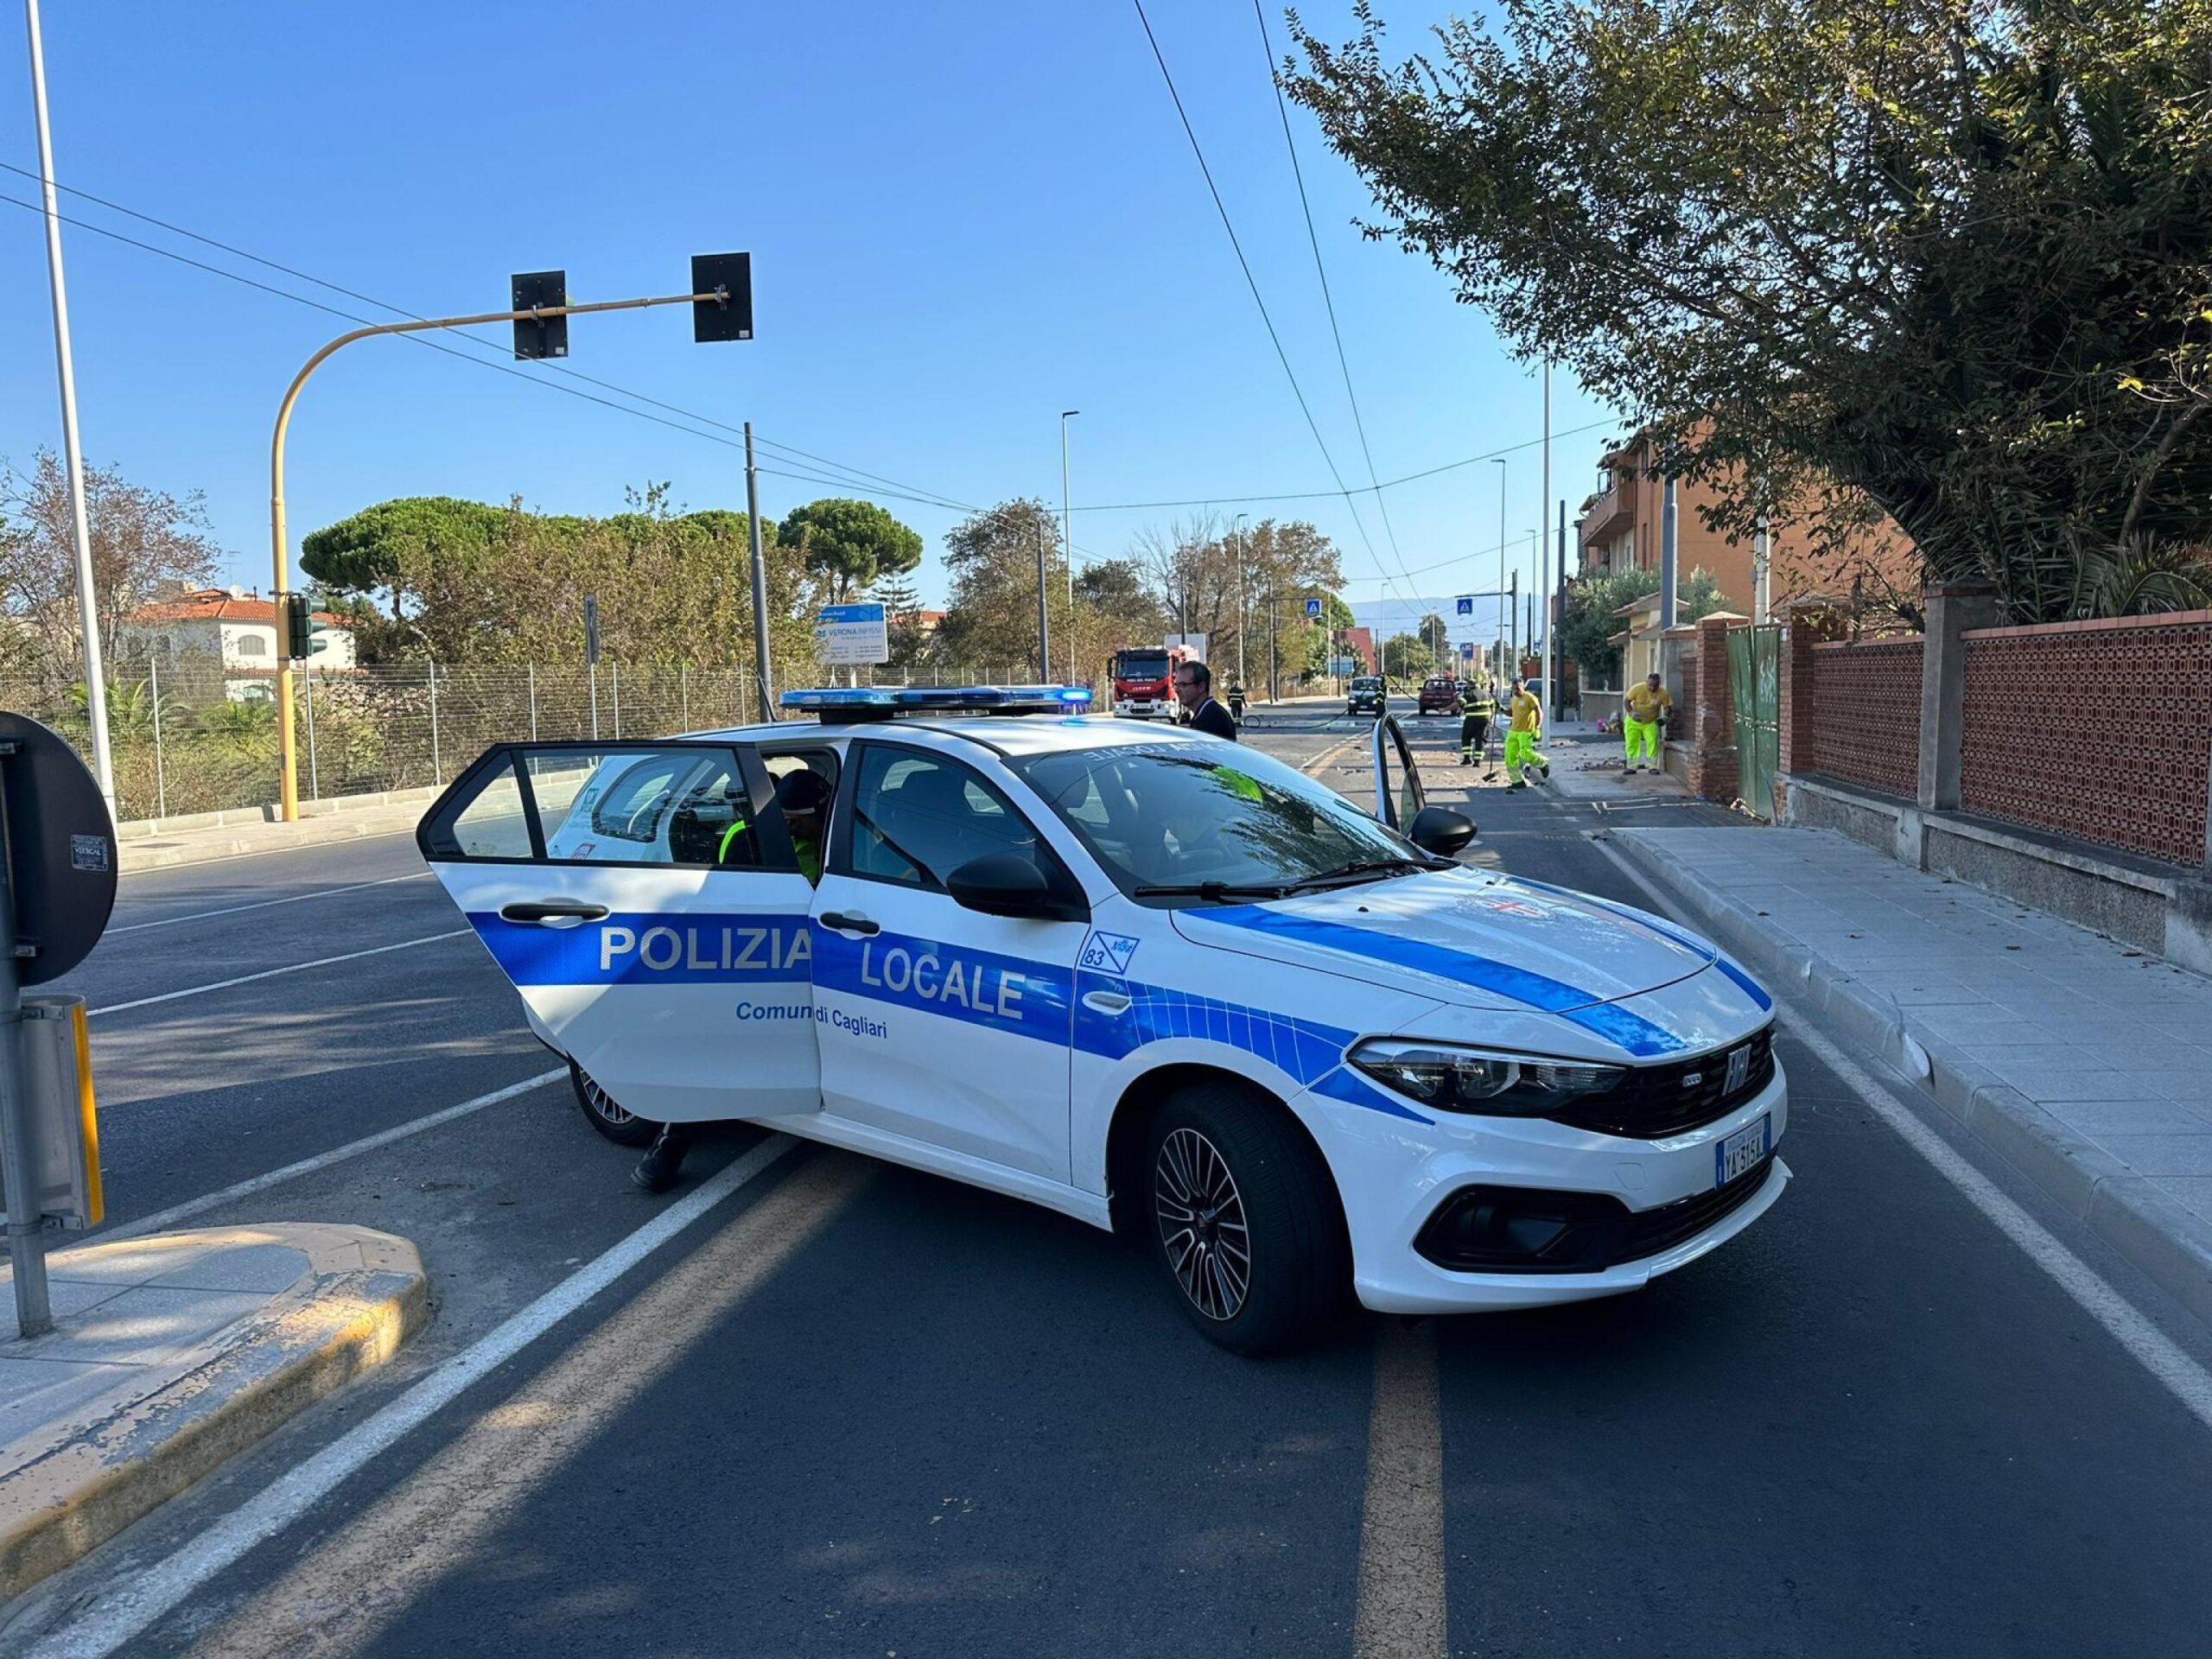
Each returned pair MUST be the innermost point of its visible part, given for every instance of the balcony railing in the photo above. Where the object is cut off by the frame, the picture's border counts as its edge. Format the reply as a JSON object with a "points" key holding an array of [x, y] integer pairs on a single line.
{"points": [[1608, 515]]}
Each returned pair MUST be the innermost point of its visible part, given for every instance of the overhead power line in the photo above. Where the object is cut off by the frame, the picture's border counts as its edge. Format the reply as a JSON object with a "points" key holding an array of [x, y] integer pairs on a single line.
{"points": [[1320, 270], [1252, 283], [914, 491], [818, 469], [1328, 495]]}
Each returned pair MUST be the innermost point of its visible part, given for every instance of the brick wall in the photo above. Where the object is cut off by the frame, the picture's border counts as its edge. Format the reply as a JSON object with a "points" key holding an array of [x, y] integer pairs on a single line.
{"points": [[1707, 720], [1861, 717], [2098, 730]]}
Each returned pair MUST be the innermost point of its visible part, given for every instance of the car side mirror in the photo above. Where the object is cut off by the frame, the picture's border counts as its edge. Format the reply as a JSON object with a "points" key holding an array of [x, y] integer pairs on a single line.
{"points": [[1440, 830], [1012, 884]]}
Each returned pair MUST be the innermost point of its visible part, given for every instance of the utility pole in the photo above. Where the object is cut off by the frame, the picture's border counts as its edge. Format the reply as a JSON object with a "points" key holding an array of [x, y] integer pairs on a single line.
{"points": [[1554, 663], [1543, 572], [1236, 529], [1044, 620], [1513, 629], [72, 459], [1762, 569], [1505, 622], [1667, 558], [760, 670], [1067, 536], [1274, 692]]}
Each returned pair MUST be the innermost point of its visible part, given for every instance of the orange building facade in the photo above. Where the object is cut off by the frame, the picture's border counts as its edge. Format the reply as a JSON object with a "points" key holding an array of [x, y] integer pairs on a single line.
{"points": [[1620, 527]]}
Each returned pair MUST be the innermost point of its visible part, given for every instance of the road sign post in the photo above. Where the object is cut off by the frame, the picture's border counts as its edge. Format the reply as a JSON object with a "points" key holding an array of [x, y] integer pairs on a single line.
{"points": [[57, 889], [591, 656], [852, 636]]}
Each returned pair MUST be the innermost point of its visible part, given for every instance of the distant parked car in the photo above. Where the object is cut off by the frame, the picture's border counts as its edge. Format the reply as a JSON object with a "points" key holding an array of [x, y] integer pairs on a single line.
{"points": [[1440, 695], [1367, 694]]}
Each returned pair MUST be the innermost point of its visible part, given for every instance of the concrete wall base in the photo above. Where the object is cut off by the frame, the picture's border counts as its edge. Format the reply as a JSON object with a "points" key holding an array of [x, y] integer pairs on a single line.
{"points": [[2157, 908]]}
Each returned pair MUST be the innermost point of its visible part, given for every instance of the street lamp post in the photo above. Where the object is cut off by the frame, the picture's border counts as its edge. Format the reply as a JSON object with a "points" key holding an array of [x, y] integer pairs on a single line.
{"points": [[1067, 536], [289, 782], [73, 455]]}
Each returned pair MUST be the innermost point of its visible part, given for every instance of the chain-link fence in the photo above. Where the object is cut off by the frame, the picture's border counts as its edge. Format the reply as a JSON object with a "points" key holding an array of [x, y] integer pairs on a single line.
{"points": [[191, 734]]}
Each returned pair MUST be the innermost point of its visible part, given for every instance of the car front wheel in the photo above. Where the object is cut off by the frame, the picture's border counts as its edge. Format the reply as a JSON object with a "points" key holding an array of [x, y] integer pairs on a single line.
{"points": [[624, 1128], [1245, 1221]]}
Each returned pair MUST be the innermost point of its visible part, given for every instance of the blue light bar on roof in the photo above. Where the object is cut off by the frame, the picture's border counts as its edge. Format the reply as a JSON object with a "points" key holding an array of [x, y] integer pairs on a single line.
{"points": [[838, 696], [867, 702]]}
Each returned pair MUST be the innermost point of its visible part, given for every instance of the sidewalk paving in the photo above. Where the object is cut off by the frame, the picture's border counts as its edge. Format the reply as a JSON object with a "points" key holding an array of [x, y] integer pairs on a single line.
{"points": [[154, 849], [168, 1355], [1586, 766], [2085, 1064]]}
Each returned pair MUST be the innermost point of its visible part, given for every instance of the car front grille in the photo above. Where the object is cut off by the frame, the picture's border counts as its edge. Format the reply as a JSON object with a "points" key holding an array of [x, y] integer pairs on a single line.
{"points": [[1651, 1231], [1653, 1101], [1524, 1229]]}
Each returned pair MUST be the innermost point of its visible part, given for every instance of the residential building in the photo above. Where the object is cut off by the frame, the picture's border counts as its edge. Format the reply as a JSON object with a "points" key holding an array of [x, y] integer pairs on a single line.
{"points": [[237, 629], [1621, 525]]}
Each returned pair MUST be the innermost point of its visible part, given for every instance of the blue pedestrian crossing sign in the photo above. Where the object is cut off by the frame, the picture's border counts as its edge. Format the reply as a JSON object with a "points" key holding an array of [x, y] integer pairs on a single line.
{"points": [[1312, 607], [1466, 607]]}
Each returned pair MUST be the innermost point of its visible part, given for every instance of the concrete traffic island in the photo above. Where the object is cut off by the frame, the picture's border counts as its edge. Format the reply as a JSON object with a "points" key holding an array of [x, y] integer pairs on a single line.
{"points": [[171, 1354]]}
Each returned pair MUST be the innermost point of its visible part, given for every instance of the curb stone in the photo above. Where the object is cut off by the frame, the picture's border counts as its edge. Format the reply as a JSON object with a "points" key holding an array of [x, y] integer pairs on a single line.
{"points": [[2167, 1243], [73, 1486], [162, 852]]}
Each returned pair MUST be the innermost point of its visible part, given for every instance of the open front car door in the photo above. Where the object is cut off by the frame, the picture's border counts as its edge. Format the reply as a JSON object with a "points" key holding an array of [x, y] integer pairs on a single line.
{"points": [[644, 900]]}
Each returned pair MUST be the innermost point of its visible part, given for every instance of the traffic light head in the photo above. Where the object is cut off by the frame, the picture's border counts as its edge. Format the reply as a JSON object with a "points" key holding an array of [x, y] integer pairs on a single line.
{"points": [[294, 627]]}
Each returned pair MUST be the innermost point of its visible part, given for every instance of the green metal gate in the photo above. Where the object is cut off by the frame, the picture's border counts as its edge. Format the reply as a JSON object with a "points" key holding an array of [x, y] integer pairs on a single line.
{"points": [[1755, 689]]}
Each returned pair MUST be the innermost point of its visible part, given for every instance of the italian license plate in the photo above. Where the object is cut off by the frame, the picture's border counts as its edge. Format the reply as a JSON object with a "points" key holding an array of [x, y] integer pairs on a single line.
{"points": [[1741, 1150]]}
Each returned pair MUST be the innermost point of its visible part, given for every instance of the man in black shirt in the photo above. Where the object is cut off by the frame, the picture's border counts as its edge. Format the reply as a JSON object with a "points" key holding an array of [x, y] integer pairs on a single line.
{"points": [[1194, 690]]}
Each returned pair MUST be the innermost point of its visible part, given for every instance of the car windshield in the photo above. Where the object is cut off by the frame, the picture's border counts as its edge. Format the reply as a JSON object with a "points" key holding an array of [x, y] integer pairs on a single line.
{"points": [[1366, 682], [1173, 815]]}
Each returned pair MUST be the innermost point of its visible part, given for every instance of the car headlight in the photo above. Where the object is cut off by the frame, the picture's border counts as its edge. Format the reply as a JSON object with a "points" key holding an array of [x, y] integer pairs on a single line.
{"points": [[1492, 1082]]}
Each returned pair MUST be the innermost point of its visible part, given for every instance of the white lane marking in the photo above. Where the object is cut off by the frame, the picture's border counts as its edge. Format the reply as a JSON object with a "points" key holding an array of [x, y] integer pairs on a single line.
{"points": [[264, 904], [1401, 1613], [1313, 766], [346, 1588], [111, 1621], [271, 973], [2158, 1353], [176, 1212]]}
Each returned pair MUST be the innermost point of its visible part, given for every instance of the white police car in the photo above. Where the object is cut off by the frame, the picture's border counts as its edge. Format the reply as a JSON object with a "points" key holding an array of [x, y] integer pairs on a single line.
{"points": [[1149, 979]]}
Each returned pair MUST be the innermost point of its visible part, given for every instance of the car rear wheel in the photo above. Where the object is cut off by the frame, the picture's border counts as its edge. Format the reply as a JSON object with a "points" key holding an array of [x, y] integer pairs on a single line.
{"points": [[624, 1128], [1245, 1221]]}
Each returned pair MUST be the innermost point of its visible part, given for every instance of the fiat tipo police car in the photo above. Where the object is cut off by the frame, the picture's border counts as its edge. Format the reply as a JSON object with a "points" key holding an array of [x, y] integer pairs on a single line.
{"points": [[1155, 980]]}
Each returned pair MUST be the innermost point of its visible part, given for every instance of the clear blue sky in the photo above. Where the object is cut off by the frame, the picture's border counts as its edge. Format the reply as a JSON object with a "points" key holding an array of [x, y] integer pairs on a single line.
{"points": [[963, 221]]}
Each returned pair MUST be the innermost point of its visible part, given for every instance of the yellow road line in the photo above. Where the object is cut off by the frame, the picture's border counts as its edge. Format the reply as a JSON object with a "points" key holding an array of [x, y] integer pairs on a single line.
{"points": [[1401, 1613]]}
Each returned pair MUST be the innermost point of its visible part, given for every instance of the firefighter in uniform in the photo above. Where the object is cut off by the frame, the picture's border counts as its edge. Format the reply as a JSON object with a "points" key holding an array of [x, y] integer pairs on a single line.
{"points": [[1479, 709]]}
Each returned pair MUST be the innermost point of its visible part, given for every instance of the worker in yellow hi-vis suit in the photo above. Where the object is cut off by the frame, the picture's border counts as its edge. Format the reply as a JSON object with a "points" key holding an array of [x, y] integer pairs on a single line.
{"points": [[1524, 720], [1645, 707]]}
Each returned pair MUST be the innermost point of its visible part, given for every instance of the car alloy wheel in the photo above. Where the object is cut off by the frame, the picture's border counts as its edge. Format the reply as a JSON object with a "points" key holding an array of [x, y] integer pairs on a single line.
{"points": [[1202, 1225], [625, 1128]]}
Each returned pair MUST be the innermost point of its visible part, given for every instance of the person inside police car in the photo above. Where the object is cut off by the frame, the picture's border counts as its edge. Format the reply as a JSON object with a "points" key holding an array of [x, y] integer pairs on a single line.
{"points": [[1194, 690], [802, 796]]}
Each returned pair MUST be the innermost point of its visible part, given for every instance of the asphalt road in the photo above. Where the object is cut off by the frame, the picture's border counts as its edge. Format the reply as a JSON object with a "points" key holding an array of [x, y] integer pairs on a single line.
{"points": [[850, 1409]]}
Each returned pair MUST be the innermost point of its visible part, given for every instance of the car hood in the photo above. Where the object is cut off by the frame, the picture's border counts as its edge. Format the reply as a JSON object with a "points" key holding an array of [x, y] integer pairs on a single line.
{"points": [[1467, 937]]}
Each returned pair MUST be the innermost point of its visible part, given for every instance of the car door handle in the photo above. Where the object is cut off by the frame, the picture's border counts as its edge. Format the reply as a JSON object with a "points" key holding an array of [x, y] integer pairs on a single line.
{"points": [[552, 909], [845, 924], [1106, 1001]]}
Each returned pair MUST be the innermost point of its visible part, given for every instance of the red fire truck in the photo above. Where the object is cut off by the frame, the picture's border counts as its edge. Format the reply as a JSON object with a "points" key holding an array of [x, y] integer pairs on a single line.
{"points": [[1144, 677]]}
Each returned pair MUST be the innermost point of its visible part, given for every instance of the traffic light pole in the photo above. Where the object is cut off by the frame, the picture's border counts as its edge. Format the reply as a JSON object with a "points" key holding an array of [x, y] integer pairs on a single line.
{"points": [[289, 784]]}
